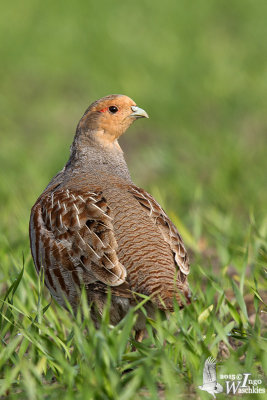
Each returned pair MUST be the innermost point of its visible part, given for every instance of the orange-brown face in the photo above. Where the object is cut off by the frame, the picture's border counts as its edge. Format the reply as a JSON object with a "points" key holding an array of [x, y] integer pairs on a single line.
{"points": [[110, 116]]}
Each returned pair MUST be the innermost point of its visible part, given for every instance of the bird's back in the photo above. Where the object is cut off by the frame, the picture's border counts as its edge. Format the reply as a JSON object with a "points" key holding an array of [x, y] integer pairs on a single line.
{"points": [[149, 258]]}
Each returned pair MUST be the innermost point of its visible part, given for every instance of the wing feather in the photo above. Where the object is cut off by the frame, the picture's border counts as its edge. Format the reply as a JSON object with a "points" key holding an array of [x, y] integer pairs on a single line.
{"points": [[72, 237], [209, 371], [168, 229]]}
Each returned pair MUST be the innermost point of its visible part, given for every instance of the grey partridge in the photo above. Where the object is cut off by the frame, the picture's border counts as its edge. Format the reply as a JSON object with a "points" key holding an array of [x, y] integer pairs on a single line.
{"points": [[93, 227]]}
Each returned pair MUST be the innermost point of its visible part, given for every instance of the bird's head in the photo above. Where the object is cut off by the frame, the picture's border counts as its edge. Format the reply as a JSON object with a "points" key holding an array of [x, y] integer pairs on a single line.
{"points": [[108, 118]]}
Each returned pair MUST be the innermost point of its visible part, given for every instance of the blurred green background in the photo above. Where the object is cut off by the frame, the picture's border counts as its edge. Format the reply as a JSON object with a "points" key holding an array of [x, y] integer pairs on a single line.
{"points": [[198, 68]]}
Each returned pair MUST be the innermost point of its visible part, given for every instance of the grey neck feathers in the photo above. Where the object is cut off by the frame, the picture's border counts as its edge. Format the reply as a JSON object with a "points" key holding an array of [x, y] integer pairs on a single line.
{"points": [[90, 156]]}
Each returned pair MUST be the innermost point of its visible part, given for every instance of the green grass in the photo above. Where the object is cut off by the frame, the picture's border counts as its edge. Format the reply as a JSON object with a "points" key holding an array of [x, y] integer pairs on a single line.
{"points": [[199, 70]]}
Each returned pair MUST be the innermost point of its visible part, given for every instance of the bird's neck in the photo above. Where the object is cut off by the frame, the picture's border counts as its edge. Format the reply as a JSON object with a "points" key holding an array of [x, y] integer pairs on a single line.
{"points": [[96, 157]]}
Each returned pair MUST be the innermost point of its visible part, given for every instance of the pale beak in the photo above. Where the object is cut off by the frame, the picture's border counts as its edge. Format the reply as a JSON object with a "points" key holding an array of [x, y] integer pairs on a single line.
{"points": [[138, 112]]}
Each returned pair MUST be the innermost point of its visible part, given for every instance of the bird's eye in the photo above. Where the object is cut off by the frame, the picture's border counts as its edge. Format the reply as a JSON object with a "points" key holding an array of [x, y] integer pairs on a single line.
{"points": [[113, 109]]}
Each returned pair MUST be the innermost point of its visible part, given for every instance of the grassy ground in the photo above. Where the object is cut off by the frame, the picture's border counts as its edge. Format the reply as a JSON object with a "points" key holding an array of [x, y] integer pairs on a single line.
{"points": [[200, 71]]}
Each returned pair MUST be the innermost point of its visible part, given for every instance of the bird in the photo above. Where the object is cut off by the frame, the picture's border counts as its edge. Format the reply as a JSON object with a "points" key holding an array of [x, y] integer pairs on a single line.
{"points": [[210, 383], [92, 227]]}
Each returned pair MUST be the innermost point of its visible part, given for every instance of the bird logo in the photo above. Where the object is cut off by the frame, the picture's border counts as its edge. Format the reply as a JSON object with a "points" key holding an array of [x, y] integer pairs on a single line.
{"points": [[210, 383]]}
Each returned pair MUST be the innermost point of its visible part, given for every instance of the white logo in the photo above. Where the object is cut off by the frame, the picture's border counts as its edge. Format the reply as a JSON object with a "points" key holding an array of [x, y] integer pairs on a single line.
{"points": [[210, 383], [235, 383], [242, 383]]}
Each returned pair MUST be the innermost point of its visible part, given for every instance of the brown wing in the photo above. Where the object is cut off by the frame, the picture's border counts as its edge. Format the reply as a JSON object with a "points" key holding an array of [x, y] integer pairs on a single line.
{"points": [[72, 238], [167, 228]]}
